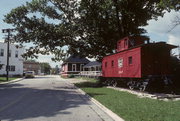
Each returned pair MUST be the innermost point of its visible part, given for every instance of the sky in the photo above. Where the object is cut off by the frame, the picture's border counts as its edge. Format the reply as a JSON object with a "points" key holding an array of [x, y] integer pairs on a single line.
{"points": [[156, 30]]}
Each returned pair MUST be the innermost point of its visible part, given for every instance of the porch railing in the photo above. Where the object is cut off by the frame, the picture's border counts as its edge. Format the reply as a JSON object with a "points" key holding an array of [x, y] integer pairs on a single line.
{"points": [[90, 73]]}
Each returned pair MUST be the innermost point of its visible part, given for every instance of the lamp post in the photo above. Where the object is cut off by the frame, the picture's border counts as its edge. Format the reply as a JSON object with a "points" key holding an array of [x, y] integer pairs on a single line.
{"points": [[8, 31]]}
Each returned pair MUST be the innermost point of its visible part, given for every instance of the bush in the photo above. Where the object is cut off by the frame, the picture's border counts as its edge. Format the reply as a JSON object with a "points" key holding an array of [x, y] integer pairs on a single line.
{"points": [[71, 76]]}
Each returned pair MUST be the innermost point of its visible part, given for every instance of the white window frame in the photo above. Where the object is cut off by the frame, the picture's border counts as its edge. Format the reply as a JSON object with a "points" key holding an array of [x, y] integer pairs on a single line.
{"points": [[81, 67], [74, 66], [120, 62]]}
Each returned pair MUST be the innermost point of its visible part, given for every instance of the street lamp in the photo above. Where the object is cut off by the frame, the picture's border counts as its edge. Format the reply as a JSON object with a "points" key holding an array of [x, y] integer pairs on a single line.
{"points": [[8, 31]]}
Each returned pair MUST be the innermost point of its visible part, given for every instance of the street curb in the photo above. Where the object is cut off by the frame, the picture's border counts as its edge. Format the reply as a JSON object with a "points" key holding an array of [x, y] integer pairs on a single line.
{"points": [[13, 81], [114, 116]]}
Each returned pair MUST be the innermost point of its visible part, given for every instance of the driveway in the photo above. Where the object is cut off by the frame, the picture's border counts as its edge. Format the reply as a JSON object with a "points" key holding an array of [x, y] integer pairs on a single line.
{"points": [[46, 98]]}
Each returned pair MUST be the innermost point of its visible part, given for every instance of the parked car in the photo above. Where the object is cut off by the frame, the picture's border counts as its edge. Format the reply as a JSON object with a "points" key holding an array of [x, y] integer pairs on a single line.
{"points": [[29, 74]]}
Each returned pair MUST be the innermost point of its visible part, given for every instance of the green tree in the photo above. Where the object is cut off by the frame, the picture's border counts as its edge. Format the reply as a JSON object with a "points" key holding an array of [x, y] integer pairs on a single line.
{"points": [[172, 4], [45, 68], [88, 27]]}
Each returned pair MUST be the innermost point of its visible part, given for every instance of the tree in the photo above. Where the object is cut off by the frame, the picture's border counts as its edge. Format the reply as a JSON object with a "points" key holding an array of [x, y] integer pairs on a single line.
{"points": [[45, 68], [172, 4], [88, 27]]}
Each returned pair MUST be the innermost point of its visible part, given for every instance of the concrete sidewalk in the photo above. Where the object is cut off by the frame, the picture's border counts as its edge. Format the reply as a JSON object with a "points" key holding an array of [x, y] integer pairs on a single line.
{"points": [[12, 81], [114, 116]]}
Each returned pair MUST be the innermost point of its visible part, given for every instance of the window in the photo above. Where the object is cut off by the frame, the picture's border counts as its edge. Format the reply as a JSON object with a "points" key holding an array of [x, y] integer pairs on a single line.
{"points": [[120, 62], [11, 68], [130, 60], [105, 64], [16, 54], [81, 67], [73, 67], [2, 52], [119, 45], [112, 63], [9, 53]]}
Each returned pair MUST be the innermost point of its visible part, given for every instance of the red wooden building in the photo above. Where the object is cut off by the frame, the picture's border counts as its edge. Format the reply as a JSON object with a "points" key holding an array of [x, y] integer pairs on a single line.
{"points": [[135, 57], [73, 65]]}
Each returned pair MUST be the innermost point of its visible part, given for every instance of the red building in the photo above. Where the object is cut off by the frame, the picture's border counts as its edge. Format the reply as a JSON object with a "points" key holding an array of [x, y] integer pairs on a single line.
{"points": [[73, 65], [137, 58]]}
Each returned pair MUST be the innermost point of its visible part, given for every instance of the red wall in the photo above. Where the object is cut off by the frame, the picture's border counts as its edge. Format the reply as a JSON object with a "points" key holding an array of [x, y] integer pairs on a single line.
{"points": [[127, 70], [155, 61]]}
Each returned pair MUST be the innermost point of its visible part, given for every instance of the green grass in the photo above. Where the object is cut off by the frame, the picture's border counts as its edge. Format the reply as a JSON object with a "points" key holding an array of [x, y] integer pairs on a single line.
{"points": [[3, 79], [132, 108], [89, 79]]}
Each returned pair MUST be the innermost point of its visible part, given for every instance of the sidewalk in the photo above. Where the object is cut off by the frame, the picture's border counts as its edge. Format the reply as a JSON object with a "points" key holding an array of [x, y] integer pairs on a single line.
{"points": [[114, 116], [12, 81]]}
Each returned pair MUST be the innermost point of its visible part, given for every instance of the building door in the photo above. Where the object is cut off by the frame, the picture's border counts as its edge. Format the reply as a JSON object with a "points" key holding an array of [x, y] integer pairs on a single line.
{"points": [[73, 67]]}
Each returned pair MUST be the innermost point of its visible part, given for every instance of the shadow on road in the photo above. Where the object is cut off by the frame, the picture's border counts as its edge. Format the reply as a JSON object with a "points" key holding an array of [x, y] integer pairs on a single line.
{"points": [[18, 102]]}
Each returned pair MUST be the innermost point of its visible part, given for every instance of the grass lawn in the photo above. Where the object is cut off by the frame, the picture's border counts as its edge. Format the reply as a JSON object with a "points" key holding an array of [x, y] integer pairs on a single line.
{"points": [[3, 79], [132, 108]]}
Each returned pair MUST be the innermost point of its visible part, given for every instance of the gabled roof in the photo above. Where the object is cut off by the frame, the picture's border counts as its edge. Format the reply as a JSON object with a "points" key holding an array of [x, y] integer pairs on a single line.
{"points": [[76, 59], [93, 63]]}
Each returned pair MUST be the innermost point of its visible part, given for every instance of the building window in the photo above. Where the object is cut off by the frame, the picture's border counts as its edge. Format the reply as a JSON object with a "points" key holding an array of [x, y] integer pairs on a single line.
{"points": [[130, 60], [73, 67], [119, 45], [16, 54], [12, 68], [1, 52], [120, 62], [81, 67], [112, 63], [105, 64], [9, 53]]}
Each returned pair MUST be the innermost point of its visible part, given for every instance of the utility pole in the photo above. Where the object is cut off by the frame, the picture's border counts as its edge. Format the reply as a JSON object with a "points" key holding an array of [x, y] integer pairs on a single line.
{"points": [[8, 31]]}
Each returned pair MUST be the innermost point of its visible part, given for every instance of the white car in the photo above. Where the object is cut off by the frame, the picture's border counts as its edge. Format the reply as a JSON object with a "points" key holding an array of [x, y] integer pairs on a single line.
{"points": [[29, 74]]}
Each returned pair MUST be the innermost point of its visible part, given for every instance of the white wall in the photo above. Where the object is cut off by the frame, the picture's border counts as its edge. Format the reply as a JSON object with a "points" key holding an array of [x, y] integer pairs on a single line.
{"points": [[17, 62]]}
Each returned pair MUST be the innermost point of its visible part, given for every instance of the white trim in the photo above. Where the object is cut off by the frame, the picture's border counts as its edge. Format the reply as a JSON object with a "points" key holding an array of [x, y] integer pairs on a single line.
{"points": [[72, 67], [73, 71], [81, 67]]}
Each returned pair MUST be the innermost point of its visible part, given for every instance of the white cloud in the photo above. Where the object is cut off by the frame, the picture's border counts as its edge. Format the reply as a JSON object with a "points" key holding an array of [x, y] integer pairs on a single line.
{"points": [[47, 59], [163, 24], [175, 40]]}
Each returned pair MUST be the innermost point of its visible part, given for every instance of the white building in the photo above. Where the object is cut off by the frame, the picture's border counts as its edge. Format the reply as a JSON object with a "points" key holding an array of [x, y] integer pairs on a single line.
{"points": [[15, 59]]}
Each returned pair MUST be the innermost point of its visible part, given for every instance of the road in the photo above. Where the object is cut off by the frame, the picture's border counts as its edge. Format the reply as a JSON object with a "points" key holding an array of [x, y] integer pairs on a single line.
{"points": [[48, 98]]}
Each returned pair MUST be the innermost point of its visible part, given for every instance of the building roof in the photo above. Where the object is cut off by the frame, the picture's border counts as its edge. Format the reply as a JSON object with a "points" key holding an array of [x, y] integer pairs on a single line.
{"points": [[93, 63], [76, 59]]}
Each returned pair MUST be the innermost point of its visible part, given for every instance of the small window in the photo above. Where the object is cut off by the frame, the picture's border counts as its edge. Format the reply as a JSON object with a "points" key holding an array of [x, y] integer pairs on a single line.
{"points": [[112, 63], [81, 67], [130, 60], [120, 62], [2, 52], [119, 45], [16, 54], [105, 64], [11, 68]]}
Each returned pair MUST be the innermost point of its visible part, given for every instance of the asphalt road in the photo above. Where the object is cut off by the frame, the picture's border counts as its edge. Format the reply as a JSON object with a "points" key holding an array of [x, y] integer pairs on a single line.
{"points": [[47, 98]]}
